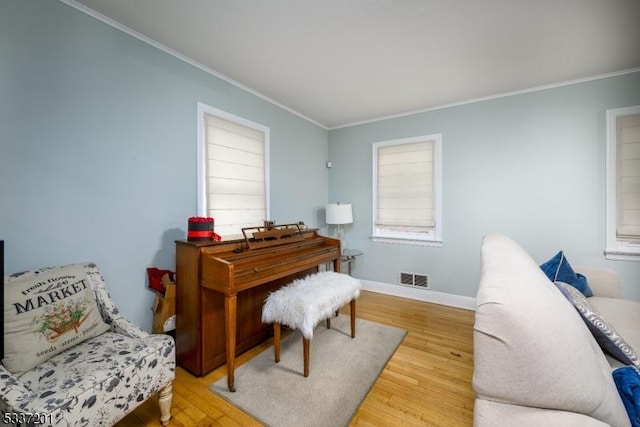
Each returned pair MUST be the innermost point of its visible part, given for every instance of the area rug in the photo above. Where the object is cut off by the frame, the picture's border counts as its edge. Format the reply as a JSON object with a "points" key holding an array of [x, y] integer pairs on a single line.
{"points": [[342, 371]]}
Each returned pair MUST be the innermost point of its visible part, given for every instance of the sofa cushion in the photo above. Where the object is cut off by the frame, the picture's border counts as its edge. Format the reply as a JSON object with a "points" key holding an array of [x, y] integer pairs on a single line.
{"points": [[494, 414], [621, 313], [604, 332], [558, 269], [46, 312], [111, 366], [531, 348], [604, 282]]}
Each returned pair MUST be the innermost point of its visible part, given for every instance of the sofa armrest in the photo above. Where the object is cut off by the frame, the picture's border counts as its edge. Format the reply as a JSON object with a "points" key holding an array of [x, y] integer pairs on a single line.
{"points": [[122, 325], [108, 310], [602, 281], [14, 395]]}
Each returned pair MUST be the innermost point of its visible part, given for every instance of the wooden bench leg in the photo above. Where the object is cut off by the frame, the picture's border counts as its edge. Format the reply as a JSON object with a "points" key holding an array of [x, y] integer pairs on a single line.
{"points": [[353, 317], [305, 355], [276, 341], [328, 323]]}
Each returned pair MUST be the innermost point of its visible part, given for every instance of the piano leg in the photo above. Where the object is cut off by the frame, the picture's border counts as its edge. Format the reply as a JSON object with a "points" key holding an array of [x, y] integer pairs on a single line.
{"points": [[230, 316]]}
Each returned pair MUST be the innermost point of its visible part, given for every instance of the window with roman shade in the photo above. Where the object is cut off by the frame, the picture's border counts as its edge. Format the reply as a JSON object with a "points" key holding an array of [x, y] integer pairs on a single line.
{"points": [[406, 190], [233, 173], [623, 186]]}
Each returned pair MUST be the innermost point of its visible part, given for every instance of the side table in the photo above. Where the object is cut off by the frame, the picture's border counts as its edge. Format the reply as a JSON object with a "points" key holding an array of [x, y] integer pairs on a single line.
{"points": [[348, 256]]}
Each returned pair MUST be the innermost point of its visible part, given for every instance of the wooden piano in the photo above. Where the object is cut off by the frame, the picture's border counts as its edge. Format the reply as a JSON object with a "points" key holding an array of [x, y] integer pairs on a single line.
{"points": [[221, 288]]}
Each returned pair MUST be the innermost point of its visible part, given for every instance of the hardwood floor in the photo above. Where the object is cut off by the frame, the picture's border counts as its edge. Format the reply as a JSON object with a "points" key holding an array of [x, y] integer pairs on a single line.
{"points": [[426, 382]]}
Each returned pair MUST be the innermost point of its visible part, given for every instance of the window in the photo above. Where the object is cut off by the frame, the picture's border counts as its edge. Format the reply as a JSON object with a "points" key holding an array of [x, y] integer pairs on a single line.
{"points": [[406, 191], [623, 183], [232, 170]]}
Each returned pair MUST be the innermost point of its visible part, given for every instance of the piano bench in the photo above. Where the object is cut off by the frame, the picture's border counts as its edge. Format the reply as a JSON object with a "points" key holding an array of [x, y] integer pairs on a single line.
{"points": [[306, 302]]}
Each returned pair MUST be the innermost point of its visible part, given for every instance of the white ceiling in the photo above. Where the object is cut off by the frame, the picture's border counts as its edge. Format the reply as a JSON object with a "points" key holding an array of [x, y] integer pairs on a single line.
{"points": [[339, 62]]}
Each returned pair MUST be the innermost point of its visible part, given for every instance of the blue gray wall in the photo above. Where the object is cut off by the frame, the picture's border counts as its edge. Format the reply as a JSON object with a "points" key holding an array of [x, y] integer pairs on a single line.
{"points": [[531, 166], [98, 154], [98, 148]]}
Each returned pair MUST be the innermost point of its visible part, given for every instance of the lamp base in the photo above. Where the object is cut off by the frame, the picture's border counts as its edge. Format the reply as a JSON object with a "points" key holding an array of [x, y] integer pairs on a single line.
{"points": [[340, 232]]}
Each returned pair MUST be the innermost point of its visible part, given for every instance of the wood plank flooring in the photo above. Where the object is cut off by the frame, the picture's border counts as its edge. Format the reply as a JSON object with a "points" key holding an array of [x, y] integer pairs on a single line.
{"points": [[427, 381]]}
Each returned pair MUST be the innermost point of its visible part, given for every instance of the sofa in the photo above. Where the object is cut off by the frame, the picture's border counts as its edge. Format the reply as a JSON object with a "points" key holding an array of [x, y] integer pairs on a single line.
{"points": [[536, 362]]}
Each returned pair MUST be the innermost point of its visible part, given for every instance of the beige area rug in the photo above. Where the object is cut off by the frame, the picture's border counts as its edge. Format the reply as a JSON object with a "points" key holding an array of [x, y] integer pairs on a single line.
{"points": [[342, 371]]}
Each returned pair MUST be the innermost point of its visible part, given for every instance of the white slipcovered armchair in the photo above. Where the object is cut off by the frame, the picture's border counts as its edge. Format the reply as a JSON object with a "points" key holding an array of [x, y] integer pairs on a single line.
{"points": [[92, 382]]}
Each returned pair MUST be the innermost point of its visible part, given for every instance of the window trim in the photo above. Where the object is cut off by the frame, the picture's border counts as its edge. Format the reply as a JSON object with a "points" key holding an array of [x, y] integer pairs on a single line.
{"points": [[201, 166], [432, 239], [616, 249]]}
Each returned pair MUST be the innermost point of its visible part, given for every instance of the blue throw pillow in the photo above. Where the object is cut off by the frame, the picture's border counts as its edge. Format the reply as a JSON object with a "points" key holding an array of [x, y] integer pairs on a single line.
{"points": [[627, 381], [558, 269]]}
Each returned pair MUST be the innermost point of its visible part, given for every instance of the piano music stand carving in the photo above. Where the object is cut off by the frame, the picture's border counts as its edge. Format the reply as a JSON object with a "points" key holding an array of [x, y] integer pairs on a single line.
{"points": [[271, 235]]}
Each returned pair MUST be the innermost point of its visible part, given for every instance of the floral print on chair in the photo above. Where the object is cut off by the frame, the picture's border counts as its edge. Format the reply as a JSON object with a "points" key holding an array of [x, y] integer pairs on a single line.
{"points": [[98, 381]]}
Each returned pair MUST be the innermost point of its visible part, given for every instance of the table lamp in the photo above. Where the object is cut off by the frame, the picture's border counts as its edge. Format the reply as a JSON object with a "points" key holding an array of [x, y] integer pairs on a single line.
{"points": [[339, 214]]}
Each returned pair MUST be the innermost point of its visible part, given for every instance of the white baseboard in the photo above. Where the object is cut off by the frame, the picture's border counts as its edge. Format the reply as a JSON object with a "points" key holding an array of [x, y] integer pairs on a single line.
{"points": [[425, 295]]}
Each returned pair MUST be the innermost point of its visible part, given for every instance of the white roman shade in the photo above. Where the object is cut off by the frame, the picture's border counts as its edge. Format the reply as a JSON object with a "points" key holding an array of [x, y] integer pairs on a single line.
{"points": [[405, 187], [235, 175], [628, 177]]}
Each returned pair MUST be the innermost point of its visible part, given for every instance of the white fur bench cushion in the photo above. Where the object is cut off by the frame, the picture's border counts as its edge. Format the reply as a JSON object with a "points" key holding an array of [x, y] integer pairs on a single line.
{"points": [[305, 302]]}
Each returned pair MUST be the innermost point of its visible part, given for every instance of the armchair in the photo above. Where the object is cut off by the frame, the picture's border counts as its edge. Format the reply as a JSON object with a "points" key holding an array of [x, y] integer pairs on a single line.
{"points": [[92, 382]]}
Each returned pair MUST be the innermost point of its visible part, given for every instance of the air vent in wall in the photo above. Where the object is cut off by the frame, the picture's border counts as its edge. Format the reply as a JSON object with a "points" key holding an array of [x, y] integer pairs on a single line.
{"points": [[413, 279]]}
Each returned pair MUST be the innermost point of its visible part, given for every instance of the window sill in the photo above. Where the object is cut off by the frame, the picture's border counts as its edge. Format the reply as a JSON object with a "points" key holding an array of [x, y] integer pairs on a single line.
{"points": [[414, 242], [618, 254]]}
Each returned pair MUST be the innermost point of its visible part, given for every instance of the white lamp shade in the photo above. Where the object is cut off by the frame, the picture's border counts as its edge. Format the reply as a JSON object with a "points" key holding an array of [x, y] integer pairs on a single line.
{"points": [[339, 213]]}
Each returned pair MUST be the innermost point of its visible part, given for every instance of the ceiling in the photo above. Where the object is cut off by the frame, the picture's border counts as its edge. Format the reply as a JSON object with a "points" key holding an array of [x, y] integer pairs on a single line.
{"points": [[340, 62]]}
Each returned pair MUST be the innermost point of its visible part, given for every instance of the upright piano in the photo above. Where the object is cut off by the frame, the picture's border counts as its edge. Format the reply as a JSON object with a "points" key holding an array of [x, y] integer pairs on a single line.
{"points": [[221, 288]]}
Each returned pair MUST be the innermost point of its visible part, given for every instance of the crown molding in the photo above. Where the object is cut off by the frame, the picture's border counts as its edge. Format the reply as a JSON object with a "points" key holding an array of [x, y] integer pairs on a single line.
{"points": [[88, 11], [496, 96], [100, 17]]}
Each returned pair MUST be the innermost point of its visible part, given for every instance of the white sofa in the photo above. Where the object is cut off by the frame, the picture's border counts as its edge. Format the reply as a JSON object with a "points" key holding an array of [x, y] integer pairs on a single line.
{"points": [[535, 361]]}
